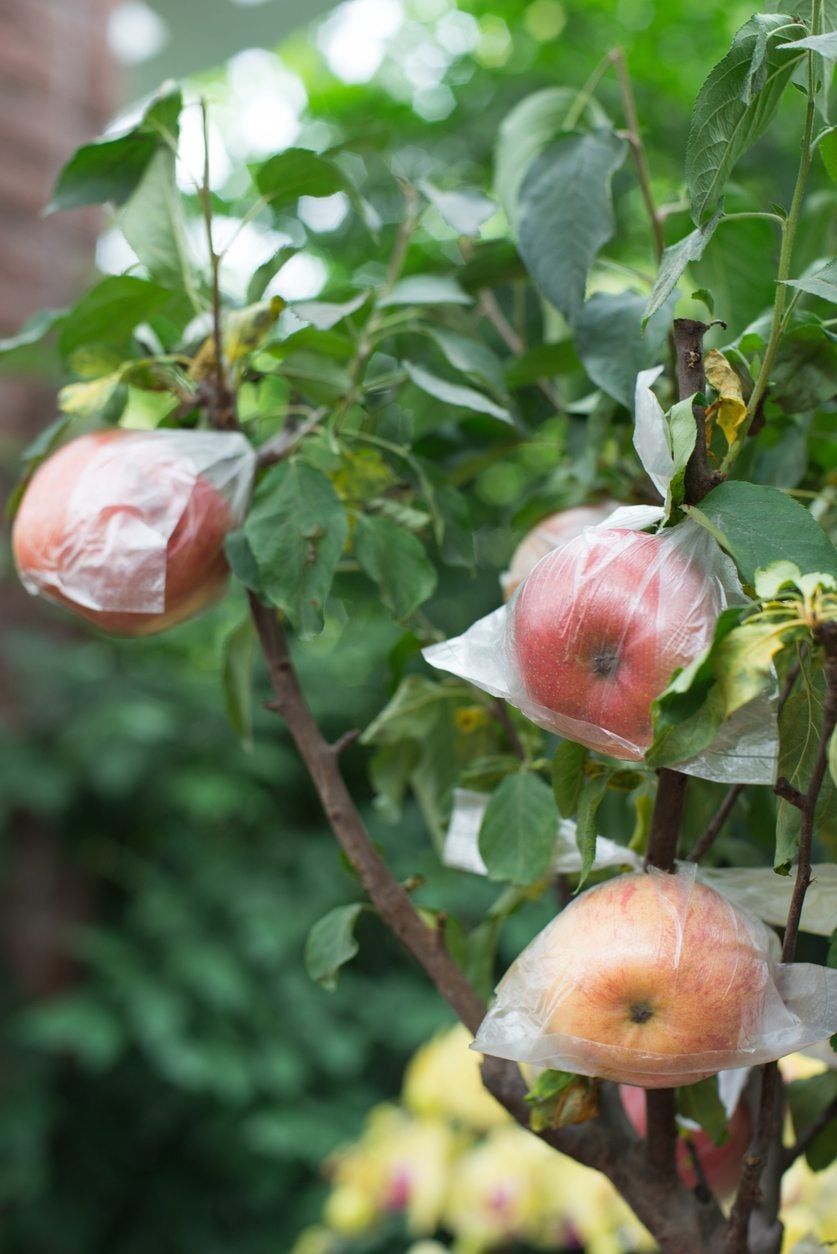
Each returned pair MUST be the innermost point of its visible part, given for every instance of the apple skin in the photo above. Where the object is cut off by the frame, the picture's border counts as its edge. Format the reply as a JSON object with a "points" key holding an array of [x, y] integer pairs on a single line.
{"points": [[600, 625], [721, 1163], [44, 532], [548, 534], [646, 968]]}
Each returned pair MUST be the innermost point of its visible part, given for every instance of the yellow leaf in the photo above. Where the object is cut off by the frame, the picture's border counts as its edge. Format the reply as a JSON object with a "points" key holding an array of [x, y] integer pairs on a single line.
{"points": [[730, 409]]}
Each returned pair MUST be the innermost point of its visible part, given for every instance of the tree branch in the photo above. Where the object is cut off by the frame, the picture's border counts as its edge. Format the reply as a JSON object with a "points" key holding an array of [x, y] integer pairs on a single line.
{"points": [[806, 1140], [634, 138], [688, 345], [725, 809], [768, 1117]]}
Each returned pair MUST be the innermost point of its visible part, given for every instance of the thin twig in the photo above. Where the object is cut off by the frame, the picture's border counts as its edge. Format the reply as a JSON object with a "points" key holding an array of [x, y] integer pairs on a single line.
{"points": [[807, 1138], [725, 809], [224, 417], [501, 714], [489, 307], [283, 444], [634, 138]]}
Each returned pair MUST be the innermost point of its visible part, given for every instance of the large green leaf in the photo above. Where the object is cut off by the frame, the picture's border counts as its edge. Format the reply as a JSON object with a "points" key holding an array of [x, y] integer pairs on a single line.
{"points": [[675, 260], [153, 224], [464, 209], [519, 829], [566, 214], [331, 944], [568, 776], [758, 525], [455, 394], [524, 133], [736, 104], [807, 1100], [702, 1103], [108, 313], [590, 797], [396, 561], [610, 341], [110, 169], [821, 282], [296, 530], [800, 725], [296, 172], [426, 289]]}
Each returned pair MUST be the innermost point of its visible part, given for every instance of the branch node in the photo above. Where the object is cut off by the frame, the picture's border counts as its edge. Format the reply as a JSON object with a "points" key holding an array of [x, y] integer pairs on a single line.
{"points": [[784, 788], [343, 742]]}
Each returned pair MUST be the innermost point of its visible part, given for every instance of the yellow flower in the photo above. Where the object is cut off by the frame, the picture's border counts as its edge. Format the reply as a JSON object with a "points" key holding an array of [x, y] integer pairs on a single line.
{"points": [[469, 718], [443, 1080]]}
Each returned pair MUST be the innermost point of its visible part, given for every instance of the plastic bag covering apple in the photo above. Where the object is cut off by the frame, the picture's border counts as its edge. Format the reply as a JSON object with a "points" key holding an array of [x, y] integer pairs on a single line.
{"points": [[127, 528], [755, 888], [656, 980], [550, 533], [597, 628]]}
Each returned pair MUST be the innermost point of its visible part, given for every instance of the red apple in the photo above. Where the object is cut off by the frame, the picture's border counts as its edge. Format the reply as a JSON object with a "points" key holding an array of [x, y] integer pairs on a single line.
{"points": [[658, 979], [548, 534], [721, 1163], [600, 625], [90, 519]]}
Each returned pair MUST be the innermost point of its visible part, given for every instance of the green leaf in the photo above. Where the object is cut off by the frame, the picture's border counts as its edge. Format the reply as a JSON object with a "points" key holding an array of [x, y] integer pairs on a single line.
{"points": [[426, 289], [519, 829], [610, 341], [759, 525], [238, 656], [331, 944], [688, 713], [822, 282], [566, 214], [396, 561], [455, 394], [736, 103], [568, 776], [743, 662], [473, 358], [561, 1098], [702, 1103], [94, 397], [832, 757], [15, 350], [296, 530], [590, 797], [800, 724], [110, 169], [263, 274], [325, 314], [464, 209], [242, 562], [825, 45], [528, 129], [828, 151], [674, 261], [807, 1100], [153, 224], [739, 270], [296, 172], [413, 710], [315, 376], [110, 311], [682, 433]]}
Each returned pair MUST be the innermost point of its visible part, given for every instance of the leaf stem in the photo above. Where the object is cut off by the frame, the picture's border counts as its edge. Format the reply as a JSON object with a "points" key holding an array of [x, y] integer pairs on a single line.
{"points": [[789, 228], [637, 147]]}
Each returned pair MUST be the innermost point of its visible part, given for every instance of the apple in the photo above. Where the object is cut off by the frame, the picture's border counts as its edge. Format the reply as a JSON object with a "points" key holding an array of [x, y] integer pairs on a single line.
{"points": [[721, 1163], [600, 625], [656, 979], [120, 518], [548, 534]]}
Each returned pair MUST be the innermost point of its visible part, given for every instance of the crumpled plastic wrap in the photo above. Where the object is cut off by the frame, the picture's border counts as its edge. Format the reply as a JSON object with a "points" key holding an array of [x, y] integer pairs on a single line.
{"points": [[757, 889], [656, 980], [598, 626], [548, 534], [127, 527]]}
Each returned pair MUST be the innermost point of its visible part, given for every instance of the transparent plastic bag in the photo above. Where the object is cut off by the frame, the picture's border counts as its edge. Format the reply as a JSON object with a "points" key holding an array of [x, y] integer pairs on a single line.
{"points": [[127, 528], [551, 532], [656, 980], [595, 632]]}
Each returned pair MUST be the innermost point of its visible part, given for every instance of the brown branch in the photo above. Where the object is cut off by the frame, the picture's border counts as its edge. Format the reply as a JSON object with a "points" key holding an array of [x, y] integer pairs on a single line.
{"points": [[501, 714], [688, 345], [489, 307], [807, 1138], [634, 138], [667, 819], [284, 443], [767, 1125], [702, 1189], [725, 809]]}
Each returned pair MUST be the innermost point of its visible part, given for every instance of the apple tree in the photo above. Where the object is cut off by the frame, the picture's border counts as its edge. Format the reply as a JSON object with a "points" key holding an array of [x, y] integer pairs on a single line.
{"points": [[461, 340]]}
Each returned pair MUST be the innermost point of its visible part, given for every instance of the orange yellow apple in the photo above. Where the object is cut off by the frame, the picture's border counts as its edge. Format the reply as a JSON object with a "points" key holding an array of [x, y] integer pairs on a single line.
{"points": [[657, 979]]}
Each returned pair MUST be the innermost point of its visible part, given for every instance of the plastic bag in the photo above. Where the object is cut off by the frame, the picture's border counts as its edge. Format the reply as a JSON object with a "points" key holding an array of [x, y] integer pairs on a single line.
{"points": [[656, 980], [757, 889], [549, 534], [594, 633], [127, 528]]}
